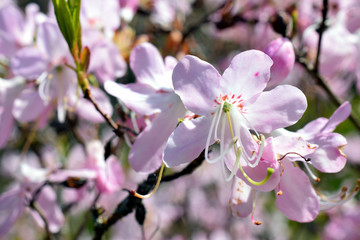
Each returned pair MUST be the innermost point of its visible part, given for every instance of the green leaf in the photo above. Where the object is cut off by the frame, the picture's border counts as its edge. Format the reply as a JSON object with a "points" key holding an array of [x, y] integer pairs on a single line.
{"points": [[68, 18], [75, 15]]}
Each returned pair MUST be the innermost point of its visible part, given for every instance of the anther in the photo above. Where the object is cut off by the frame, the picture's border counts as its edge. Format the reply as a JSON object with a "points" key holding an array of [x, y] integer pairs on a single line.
{"points": [[279, 193]]}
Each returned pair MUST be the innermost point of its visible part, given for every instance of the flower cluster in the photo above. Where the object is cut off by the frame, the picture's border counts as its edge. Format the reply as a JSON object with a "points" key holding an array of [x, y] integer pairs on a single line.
{"points": [[92, 100]]}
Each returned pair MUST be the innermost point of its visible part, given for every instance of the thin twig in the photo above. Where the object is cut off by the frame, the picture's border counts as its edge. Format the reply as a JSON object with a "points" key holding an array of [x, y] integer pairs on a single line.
{"points": [[87, 215], [41, 213], [321, 30], [322, 83], [88, 96], [33, 205], [187, 170]]}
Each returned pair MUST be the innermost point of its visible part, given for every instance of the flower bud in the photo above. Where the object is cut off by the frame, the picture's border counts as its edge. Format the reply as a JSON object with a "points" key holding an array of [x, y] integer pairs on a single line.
{"points": [[282, 53]]}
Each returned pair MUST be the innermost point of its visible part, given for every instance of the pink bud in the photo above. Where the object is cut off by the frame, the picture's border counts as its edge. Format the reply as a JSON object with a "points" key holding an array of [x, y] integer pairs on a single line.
{"points": [[282, 53]]}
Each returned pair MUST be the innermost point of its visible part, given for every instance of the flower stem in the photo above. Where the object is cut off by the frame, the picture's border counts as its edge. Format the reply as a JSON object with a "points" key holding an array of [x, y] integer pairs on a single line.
{"points": [[135, 194]]}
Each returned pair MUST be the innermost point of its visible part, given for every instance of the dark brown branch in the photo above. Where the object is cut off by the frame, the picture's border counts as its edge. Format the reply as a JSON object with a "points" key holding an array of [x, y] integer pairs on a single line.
{"points": [[34, 206], [129, 204], [322, 83], [86, 218], [88, 96], [187, 170], [321, 30]]}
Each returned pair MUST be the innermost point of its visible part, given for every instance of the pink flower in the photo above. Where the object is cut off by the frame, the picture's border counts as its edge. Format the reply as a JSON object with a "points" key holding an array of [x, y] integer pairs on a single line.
{"points": [[152, 94], [282, 53], [16, 30], [315, 144], [46, 63], [236, 100], [106, 61], [100, 15], [109, 172], [345, 224], [9, 91], [128, 9], [12, 206], [328, 156]]}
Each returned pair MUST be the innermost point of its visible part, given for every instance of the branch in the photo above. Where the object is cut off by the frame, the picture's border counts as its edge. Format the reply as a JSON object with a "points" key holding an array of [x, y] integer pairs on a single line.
{"points": [[129, 204], [86, 218], [321, 30], [322, 83], [314, 72], [203, 20], [187, 170], [34, 206], [88, 96]]}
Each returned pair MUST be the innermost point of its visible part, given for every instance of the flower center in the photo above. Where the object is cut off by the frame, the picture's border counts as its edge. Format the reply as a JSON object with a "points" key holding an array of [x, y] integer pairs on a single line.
{"points": [[232, 99]]}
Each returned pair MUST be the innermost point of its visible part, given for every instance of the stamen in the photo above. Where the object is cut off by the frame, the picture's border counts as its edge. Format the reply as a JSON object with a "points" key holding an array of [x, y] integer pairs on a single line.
{"points": [[311, 174], [253, 211], [236, 165], [222, 136], [282, 168], [340, 198], [127, 140], [217, 112], [135, 194], [269, 172], [250, 126], [262, 139], [134, 122], [217, 121], [44, 86], [223, 154]]}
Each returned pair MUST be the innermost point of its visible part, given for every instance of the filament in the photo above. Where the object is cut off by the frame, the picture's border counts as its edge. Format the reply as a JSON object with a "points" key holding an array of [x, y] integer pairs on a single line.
{"points": [[134, 122], [127, 140], [253, 210], [340, 198], [269, 172], [311, 174], [223, 154], [218, 120], [262, 139], [217, 112], [250, 125], [236, 165]]}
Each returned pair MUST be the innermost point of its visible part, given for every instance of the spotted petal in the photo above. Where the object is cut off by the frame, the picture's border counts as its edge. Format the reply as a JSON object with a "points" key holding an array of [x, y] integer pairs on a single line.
{"points": [[247, 74]]}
